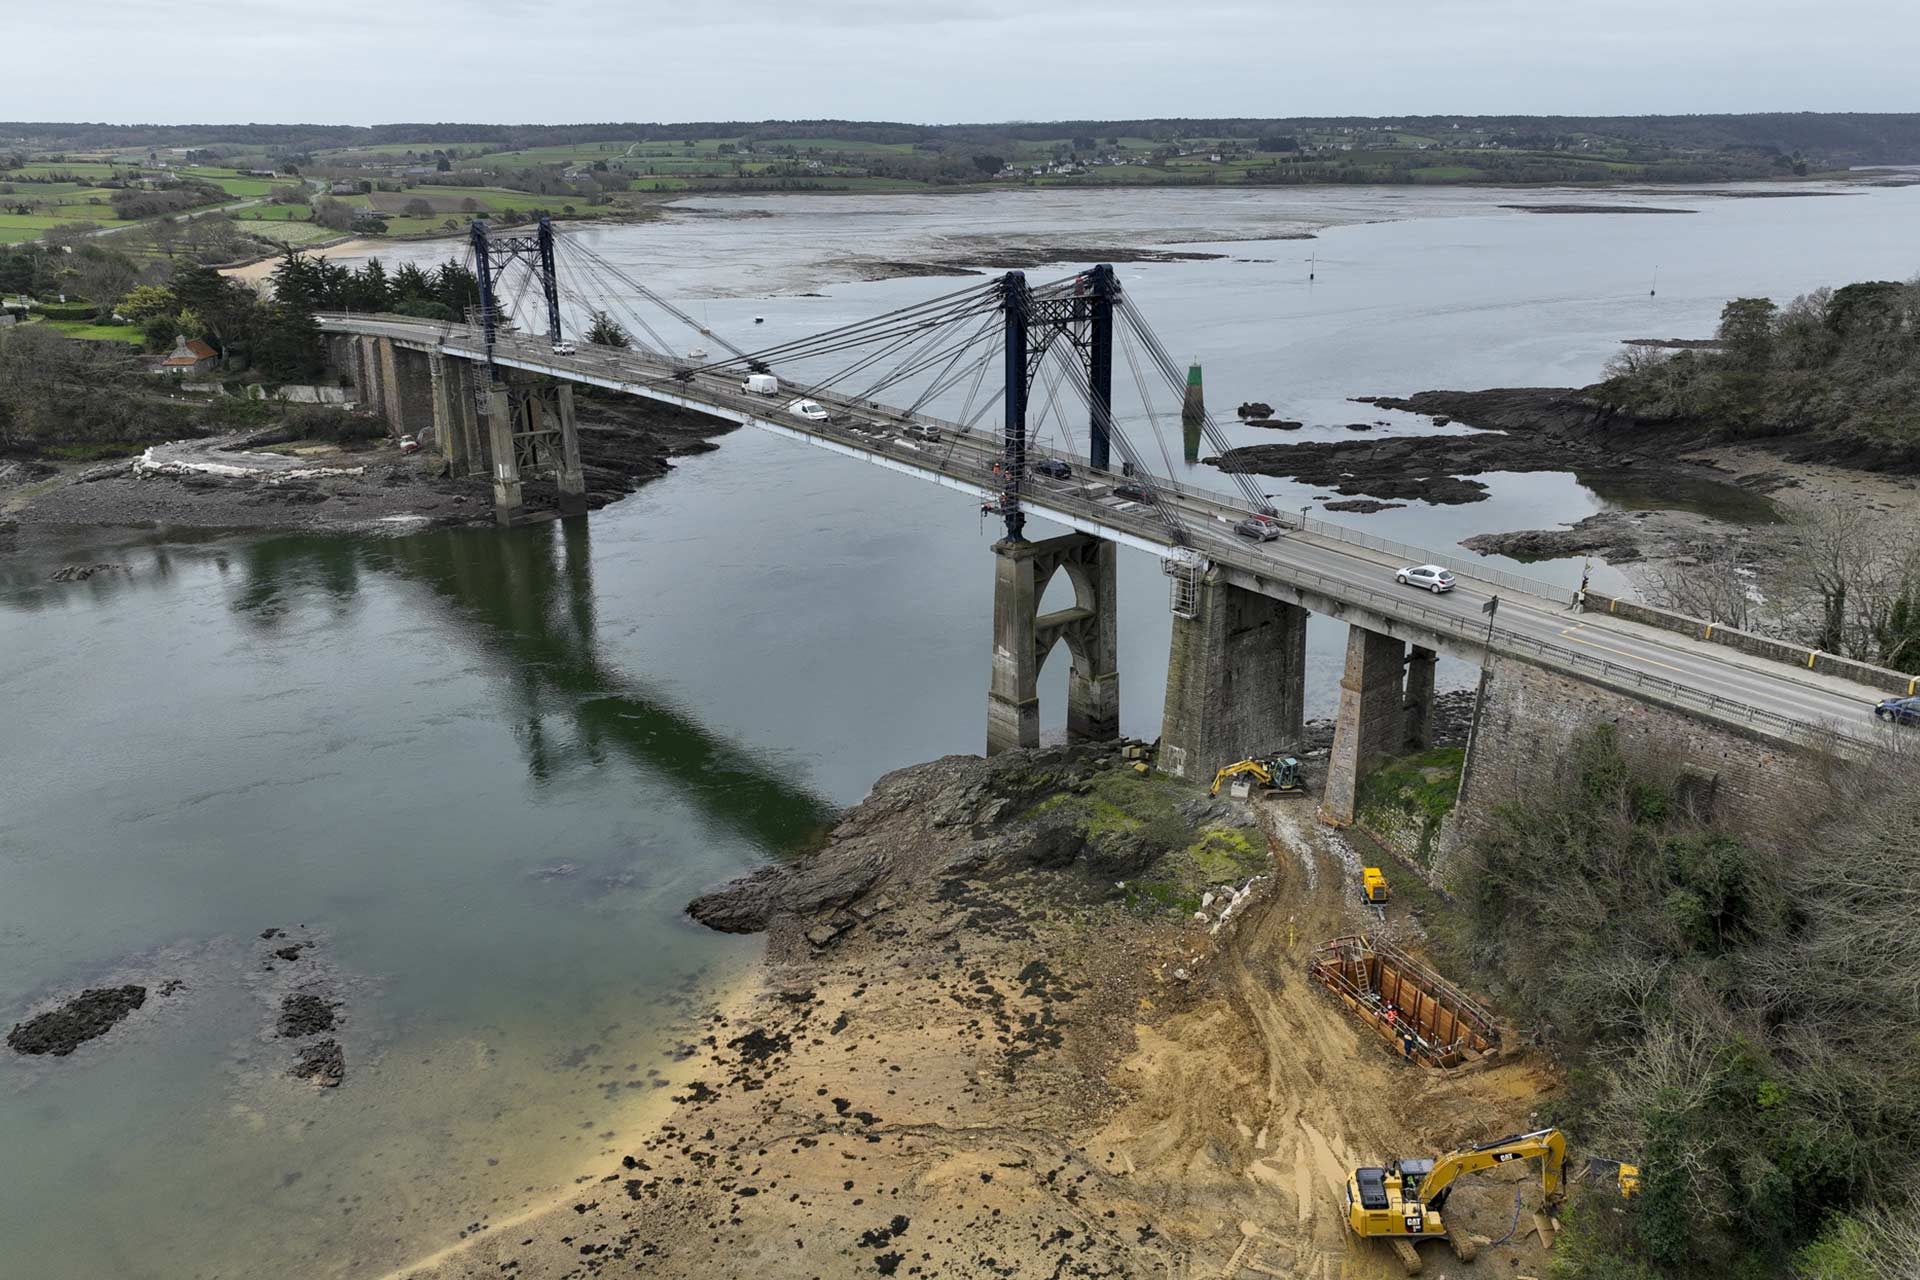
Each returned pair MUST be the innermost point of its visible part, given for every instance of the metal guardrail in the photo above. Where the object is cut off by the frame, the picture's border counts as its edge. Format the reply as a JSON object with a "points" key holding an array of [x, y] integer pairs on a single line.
{"points": [[1395, 605], [1470, 568]]}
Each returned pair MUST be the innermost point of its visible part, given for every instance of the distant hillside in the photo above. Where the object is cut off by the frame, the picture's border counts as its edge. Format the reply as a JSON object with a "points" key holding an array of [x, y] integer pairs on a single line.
{"points": [[1828, 139]]}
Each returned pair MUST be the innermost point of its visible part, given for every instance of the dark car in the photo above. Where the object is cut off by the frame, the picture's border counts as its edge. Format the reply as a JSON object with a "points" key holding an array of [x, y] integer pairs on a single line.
{"points": [[1899, 710], [1053, 467], [1132, 491]]}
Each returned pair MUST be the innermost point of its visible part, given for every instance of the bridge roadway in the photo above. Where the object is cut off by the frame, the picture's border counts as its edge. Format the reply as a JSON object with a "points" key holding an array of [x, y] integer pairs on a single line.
{"points": [[1325, 567]]}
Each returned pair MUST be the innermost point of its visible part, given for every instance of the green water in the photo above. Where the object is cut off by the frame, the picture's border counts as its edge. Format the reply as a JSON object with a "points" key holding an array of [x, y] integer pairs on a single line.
{"points": [[422, 750]]}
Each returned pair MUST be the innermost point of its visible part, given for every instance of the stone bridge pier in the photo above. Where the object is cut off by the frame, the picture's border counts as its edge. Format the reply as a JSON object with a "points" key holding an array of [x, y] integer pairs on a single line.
{"points": [[1023, 637], [1386, 708], [504, 430], [1236, 680]]}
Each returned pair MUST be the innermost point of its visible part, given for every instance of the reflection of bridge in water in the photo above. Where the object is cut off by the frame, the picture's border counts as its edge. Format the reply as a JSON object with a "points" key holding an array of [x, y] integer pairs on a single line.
{"points": [[1243, 576], [524, 603]]}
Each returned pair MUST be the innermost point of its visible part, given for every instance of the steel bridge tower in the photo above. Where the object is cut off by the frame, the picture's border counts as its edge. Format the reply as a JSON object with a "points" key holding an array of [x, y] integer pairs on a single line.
{"points": [[1084, 320]]}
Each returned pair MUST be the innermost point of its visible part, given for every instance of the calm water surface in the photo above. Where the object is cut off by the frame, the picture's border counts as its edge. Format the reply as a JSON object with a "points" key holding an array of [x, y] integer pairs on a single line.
{"points": [[486, 770]]}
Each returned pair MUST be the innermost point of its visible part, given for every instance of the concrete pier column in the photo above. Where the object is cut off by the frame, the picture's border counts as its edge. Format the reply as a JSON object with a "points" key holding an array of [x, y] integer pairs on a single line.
{"points": [[392, 401], [1023, 637], [469, 395], [570, 479], [1236, 680], [446, 421], [413, 394], [1093, 683], [1013, 693], [500, 455], [1419, 698], [366, 372], [1369, 723]]}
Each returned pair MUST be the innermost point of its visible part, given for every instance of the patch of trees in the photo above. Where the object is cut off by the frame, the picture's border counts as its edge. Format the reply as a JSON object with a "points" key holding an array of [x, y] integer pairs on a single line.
{"points": [[318, 284], [1739, 1017], [55, 390], [134, 203], [1841, 360]]}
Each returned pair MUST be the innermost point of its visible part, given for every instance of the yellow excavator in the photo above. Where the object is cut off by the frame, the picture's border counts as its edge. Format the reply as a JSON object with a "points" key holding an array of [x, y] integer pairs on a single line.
{"points": [[1405, 1202], [1275, 773]]}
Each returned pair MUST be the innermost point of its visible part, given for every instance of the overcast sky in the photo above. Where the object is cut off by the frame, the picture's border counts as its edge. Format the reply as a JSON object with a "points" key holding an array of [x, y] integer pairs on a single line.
{"points": [[944, 61]]}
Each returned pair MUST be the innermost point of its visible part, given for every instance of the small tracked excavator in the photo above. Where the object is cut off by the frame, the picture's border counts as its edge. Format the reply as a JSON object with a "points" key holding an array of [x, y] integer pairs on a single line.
{"points": [[1405, 1202], [1277, 774]]}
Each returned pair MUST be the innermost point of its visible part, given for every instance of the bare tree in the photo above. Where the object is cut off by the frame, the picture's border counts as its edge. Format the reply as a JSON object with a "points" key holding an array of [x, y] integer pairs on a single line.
{"points": [[1721, 590], [1844, 568]]}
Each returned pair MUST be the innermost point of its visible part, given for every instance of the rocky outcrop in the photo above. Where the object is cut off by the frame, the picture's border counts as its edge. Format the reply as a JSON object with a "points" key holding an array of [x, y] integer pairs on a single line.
{"points": [[87, 1016], [1524, 429], [304, 1014], [1077, 809], [321, 1063]]}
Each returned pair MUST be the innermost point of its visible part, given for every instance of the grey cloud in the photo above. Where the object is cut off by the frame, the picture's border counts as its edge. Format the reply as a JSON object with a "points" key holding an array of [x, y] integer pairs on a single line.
{"points": [[361, 61]]}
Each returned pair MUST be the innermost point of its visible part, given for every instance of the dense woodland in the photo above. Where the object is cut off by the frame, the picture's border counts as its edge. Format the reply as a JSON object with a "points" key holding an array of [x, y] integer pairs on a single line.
{"points": [[1739, 1016], [1843, 360]]}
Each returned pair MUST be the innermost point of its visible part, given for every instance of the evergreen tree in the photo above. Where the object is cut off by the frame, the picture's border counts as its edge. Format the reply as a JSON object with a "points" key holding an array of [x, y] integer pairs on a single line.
{"points": [[605, 332]]}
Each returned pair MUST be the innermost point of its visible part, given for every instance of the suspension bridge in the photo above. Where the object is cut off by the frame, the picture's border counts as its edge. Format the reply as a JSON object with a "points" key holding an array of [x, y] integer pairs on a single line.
{"points": [[1005, 391]]}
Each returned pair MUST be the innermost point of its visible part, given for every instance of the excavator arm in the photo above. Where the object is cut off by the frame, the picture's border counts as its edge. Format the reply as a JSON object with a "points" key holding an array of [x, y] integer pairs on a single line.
{"points": [[1258, 768], [1549, 1146]]}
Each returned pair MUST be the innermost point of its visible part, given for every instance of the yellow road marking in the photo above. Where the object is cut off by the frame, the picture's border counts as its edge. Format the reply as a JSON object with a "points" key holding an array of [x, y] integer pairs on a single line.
{"points": [[1625, 653]]}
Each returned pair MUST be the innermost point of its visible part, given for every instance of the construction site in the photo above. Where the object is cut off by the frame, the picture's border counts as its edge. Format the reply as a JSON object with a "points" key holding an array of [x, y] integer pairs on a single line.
{"points": [[990, 1041]]}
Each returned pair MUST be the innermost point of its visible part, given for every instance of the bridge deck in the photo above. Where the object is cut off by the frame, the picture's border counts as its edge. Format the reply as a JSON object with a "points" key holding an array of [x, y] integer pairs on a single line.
{"points": [[1326, 567]]}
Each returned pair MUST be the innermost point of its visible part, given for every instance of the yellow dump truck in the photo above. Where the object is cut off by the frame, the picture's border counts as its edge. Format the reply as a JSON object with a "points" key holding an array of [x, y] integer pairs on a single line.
{"points": [[1373, 887]]}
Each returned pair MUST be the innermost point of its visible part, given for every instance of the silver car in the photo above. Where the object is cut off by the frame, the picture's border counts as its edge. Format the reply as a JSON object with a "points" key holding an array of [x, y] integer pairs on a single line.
{"points": [[1258, 528], [1431, 576]]}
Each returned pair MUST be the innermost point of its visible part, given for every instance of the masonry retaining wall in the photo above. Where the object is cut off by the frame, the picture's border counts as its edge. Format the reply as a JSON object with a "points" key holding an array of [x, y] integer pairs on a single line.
{"points": [[1532, 716]]}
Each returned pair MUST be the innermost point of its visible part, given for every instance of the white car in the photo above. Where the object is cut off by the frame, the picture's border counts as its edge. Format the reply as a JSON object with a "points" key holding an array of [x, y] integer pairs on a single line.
{"points": [[1431, 576], [810, 410], [563, 349]]}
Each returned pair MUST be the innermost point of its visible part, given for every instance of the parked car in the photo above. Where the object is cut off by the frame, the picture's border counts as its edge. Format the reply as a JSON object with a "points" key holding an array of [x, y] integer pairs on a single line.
{"points": [[761, 384], [1258, 528], [1132, 491], [811, 410], [1054, 468], [1431, 576], [1899, 710], [563, 349]]}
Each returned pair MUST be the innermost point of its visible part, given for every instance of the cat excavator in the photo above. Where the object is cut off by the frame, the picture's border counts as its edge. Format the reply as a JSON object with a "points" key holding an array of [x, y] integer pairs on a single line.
{"points": [[1275, 773], [1405, 1202]]}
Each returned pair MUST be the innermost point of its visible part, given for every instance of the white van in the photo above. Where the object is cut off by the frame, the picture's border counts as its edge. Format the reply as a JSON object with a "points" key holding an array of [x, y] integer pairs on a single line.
{"points": [[761, 384]]}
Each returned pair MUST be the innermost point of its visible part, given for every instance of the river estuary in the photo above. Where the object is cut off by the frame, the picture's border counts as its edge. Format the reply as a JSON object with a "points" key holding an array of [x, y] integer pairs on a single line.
{"points": [[482, 772]]}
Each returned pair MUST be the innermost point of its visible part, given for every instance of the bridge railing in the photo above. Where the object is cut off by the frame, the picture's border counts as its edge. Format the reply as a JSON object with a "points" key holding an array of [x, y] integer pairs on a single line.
{"points": [[1466, 566], [1501, 640]]}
